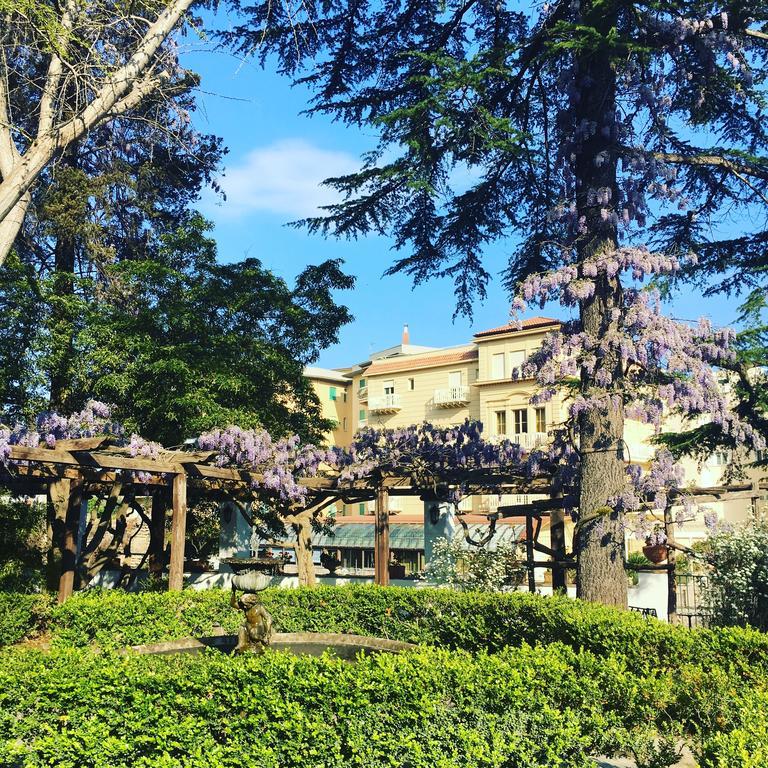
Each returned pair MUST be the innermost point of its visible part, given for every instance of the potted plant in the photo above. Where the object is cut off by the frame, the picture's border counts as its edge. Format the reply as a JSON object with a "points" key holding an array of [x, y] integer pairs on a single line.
{"points": [[635, 562], [655, 548]]}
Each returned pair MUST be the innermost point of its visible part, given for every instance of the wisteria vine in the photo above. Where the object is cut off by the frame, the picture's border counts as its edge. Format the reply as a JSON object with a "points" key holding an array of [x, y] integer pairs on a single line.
{"points": [[440, 459]]}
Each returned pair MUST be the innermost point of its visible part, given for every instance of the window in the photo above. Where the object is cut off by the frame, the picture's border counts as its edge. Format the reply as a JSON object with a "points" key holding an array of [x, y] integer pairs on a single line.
{"points": [[501, 422], [454, 379], [541, 420], [521, 420], [516, 359], [361, 508], [344, 395], [361, 384], [361, 414], [344, 423], [411, 384], [721, 458], [389, 387], [497, 366], [332, 392]]}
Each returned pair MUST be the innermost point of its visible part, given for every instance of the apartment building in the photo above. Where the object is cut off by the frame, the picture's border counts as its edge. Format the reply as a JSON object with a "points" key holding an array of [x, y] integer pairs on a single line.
{"points": [[408, 384]]}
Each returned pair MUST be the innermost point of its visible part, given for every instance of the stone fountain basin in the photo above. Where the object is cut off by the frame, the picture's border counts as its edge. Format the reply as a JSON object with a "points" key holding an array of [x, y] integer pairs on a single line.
{"points": [[299, 643]]}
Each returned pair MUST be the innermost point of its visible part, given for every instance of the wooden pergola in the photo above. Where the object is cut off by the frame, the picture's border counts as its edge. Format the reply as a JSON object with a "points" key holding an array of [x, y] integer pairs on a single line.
{"points": [[96, 467]]}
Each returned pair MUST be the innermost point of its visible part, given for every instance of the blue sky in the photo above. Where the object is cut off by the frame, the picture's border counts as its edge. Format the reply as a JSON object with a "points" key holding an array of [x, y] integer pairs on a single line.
{"points": [[277, 159]]}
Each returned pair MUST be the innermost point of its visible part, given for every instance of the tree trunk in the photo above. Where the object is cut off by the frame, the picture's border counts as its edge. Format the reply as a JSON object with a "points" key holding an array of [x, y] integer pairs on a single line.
{"points": [[302, 527], [600, 540], [63, 313]]}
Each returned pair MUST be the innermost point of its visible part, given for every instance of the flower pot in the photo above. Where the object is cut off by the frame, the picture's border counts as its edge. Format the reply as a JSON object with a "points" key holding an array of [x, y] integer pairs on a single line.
{"points": [[656, 553]]}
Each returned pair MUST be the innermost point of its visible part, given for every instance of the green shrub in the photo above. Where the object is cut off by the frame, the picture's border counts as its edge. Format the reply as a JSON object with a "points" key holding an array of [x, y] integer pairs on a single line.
{"points": [[432, 708], [445, 618], [21, 615], [739, 738], [112, 618], [737, 590]]}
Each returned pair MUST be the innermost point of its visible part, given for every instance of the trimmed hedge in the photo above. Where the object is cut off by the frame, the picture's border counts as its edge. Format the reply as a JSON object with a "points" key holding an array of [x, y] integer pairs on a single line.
{"points": [[22, 615], [474, 621], [600, 681], [427, 709]]}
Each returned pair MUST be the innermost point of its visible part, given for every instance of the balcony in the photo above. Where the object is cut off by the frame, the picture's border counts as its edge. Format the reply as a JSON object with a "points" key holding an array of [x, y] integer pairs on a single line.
{"points": [[453, 397], [384, 404], [362, 394], [527, 440], [488, 505]]}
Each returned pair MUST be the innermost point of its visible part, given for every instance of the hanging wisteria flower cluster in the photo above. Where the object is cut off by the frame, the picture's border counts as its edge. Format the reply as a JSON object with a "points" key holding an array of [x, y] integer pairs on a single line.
{"points": [[666, 365], [280, 463], [95, 419]]}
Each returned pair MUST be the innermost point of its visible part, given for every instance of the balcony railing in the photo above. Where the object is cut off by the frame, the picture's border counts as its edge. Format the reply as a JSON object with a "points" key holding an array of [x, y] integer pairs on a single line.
{"points": [[490, 504], [453, 397], [362, 394], [384, 404], [527, 440]]}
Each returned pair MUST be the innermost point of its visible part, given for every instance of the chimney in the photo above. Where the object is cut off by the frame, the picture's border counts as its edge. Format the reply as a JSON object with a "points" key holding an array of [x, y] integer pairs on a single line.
{"points": [[406, 335]]}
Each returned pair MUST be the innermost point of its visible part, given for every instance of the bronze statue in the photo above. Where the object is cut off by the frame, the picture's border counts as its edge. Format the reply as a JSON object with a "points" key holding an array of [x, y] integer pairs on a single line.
{"points": [[256, 632]]}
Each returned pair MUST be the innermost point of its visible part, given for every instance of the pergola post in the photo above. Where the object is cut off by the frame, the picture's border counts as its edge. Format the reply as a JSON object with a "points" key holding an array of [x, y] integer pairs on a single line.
{"points": [[557, 540], [178, 532], [72, 497], [381, 538], [529, 552], [157, 532], [669, 529]]}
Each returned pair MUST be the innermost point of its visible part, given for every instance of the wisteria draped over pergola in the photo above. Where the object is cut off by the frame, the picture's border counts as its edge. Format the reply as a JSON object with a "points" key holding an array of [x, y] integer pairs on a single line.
{"points": [[88, 454]]}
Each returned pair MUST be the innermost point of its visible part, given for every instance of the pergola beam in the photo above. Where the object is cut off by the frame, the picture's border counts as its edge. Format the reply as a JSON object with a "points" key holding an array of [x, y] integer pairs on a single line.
{"points": [[94, 462]]}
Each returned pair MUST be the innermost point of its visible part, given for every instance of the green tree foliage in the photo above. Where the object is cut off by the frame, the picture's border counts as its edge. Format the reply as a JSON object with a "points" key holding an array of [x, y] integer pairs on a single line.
{"points": [[23, 543], [182, 344], [112, 197], [114, 292]]}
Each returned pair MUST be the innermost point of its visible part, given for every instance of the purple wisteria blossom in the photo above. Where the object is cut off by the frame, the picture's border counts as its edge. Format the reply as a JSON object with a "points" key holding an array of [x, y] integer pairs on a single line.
{"points": [[95, 419], [666, 365]]}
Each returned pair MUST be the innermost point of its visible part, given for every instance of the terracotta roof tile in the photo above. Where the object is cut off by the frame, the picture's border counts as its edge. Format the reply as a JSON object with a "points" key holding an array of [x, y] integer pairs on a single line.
{"points": [[421, 361], [531, 322]]}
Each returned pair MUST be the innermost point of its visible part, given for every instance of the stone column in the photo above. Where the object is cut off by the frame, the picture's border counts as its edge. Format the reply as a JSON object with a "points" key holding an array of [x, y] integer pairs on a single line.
{"points": [[439, 523]]}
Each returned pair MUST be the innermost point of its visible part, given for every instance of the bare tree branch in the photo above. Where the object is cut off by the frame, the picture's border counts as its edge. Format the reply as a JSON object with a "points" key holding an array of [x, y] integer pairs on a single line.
{"points": [[75, 78]]}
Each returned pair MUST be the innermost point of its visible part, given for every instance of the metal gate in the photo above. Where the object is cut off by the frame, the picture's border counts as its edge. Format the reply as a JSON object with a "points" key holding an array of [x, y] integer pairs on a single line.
{"points": [[692, 610]]}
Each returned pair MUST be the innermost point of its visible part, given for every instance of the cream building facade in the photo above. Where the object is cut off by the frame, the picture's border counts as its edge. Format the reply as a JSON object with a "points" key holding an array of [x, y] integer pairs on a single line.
{"points": [[408, 384]]}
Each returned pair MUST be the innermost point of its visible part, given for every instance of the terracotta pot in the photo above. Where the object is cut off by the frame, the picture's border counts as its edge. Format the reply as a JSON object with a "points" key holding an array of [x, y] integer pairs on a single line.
{"points": [[656, 553]]}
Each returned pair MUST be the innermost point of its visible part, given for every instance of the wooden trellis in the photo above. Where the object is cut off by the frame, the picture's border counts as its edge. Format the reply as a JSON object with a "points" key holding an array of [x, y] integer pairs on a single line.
{"points": [[94, 467]]}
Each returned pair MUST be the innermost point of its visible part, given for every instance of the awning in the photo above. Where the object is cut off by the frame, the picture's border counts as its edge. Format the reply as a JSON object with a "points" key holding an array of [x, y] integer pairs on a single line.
{"points": [[407, 536]]}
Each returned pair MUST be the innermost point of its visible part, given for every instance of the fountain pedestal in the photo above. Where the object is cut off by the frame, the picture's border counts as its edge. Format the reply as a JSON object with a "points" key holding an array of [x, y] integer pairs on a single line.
{"points": [[252, 575]]}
